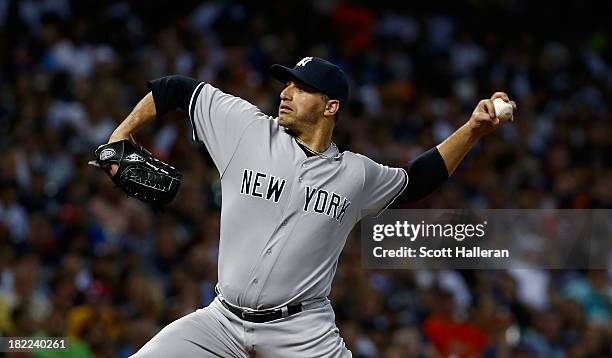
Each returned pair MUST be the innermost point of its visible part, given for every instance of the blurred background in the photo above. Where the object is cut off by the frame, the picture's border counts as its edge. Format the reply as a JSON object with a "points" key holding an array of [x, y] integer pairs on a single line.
{"points": [[79, 259]]}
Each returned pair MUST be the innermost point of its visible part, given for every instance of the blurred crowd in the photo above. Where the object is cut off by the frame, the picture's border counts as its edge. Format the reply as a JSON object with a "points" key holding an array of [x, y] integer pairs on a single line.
{"points": [[79, 259]]}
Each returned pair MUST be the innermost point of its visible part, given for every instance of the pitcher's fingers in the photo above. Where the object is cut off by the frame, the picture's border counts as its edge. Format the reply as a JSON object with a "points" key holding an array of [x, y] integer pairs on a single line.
{"points": [[488, 106], [484, 117], [501, 95]]}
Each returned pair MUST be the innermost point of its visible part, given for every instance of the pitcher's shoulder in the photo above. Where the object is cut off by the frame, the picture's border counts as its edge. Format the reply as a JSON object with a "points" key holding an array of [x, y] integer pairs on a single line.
{"points": [[353, 157]]}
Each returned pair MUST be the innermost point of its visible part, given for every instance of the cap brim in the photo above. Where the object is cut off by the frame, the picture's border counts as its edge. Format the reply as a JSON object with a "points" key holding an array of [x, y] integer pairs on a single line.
{"points": [[284, 74]]}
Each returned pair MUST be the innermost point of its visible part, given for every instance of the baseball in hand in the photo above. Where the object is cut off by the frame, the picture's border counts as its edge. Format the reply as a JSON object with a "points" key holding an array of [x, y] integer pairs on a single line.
{"points": [[503, 109]]}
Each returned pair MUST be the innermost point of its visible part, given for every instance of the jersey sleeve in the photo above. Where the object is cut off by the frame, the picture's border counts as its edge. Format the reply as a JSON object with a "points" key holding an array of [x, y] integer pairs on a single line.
{"points": [[219, 121], [427, 173], [381, 186]]}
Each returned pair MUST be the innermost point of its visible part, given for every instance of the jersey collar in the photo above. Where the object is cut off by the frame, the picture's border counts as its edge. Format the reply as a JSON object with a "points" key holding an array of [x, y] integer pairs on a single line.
{"points": [[332, 152]]}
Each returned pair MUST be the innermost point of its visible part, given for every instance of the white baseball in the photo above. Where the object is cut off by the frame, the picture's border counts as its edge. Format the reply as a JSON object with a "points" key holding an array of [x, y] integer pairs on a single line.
{"points": [[503, 109]]}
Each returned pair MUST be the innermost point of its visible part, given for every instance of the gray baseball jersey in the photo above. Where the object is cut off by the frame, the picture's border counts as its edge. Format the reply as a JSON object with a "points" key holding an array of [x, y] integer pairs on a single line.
{"points": [[285, 216]]}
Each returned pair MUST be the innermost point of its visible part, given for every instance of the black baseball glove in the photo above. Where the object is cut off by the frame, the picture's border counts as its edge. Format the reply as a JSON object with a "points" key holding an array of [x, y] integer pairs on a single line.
{"points": [[140, 175]]}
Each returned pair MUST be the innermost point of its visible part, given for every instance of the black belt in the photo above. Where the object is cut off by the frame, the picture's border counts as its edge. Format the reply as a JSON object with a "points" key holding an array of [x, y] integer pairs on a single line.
{"points": [[263, 316]]}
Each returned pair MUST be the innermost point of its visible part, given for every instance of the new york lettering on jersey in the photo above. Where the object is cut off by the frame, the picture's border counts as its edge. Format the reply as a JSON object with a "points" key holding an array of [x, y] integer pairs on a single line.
{"points": [[262, 185]]}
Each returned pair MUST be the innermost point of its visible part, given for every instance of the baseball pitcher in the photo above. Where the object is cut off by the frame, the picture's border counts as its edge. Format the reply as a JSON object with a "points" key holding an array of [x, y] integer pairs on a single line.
{"points": [[290, 198]]}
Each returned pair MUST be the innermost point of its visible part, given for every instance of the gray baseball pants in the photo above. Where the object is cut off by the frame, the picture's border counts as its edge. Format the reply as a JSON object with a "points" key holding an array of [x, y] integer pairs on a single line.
{"points": [[214, 331]]}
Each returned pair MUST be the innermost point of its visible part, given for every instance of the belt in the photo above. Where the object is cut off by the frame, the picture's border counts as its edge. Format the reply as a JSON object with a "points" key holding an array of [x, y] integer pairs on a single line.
{"points": [[262, 316]]}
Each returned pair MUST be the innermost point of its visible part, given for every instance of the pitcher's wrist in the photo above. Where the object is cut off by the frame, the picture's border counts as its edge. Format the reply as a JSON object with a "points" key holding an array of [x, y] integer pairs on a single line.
{"points": [[117, 136]]}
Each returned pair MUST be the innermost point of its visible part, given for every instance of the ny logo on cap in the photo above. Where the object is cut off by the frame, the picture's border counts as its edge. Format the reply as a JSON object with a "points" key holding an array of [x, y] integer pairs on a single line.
{"points": [[304, 61]]}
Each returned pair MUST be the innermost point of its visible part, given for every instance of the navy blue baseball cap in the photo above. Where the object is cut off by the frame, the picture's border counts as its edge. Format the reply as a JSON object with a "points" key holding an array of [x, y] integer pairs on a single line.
{"points": [[317, 73]]}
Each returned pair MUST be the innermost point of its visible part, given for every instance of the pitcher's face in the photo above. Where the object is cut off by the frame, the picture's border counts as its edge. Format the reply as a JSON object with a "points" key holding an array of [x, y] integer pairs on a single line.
{"points": [[300, 104]]}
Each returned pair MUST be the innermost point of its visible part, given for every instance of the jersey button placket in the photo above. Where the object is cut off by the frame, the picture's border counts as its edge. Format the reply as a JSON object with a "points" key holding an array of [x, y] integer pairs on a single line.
{"points": [[301, 173]]}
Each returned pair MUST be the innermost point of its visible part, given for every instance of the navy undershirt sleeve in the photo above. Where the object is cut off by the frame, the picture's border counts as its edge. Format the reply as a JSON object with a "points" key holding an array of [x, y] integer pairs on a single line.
{"points": [[172, 92], [426, 173]]}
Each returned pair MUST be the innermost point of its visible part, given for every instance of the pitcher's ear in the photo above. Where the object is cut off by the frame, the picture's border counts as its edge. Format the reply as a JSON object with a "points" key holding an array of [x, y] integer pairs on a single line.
{"points": [[332, 107]]}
